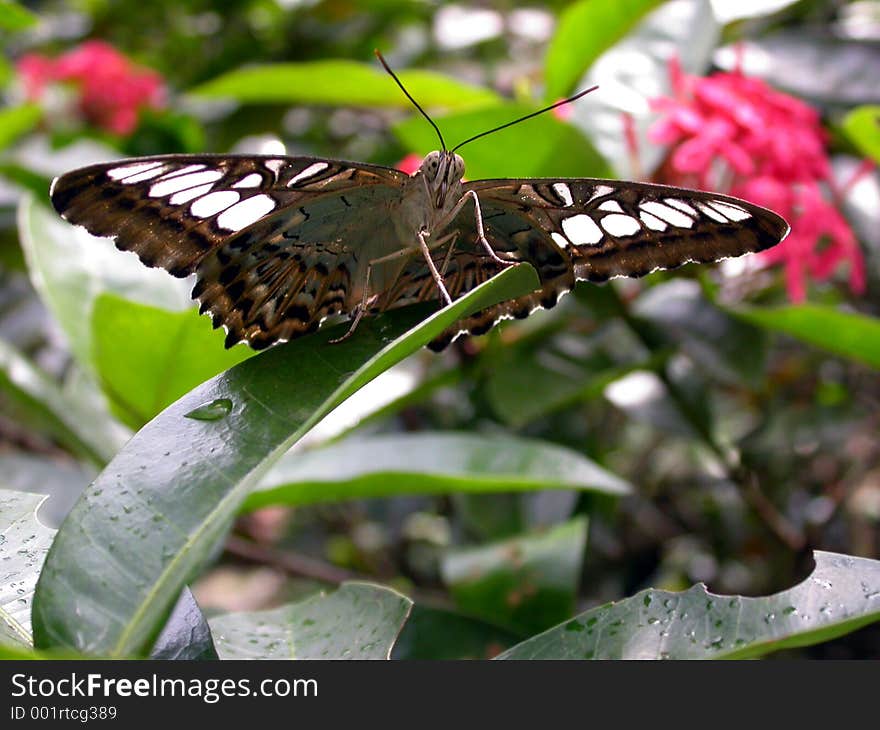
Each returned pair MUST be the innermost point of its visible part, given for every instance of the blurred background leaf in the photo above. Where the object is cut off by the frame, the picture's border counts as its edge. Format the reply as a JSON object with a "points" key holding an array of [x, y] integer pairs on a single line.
{"points": [[708, 424], [356, 621], [587, 28]]}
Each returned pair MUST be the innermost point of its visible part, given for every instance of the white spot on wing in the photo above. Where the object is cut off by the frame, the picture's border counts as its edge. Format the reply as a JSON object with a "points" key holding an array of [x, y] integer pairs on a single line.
{"points": [[709, 211], [601, 190], [669, 215], [310, 171], [213, 203], [563, 191], [248, 211], [183, 171], [250, 181], [621, 225], [274, 166], [120, 173], [182, 182], [680, 205], [652, 222], [184, 196], [581, 229], [612, 206], [734, 212], [561, 240]]}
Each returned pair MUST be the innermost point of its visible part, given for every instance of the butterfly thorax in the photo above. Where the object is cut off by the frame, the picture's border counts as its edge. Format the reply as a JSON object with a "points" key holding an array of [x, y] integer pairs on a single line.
{"points": [[431, 193]]}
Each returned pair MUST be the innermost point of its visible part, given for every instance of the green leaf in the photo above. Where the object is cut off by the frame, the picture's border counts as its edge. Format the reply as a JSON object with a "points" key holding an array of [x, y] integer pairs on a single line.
{"points": [[862, 125], [147, 358], [531, 379], [77, 423], [433, 633], [14, 17], [523, 584], [343, 83], [23, 546], [17, 121], [586, 29], [29, 180], [70, 268], [850, 335], [841, 595], [7, 72], [154, 516], [62, 481], [428, 463], [356, 621], [725, 347], [186, 636], [554, 147]]}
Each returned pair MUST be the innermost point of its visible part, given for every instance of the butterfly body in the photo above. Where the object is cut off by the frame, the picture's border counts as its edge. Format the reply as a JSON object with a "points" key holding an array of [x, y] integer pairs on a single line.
{"points": [[277, 244]]}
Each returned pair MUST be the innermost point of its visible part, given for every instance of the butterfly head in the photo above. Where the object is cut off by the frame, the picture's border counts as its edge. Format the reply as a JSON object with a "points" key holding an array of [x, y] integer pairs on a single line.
{"points": [[443, 171]]}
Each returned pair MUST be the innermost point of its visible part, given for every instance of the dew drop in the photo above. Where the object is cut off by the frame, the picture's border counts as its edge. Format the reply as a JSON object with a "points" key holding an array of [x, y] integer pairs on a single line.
{"points": [[212, 411]]}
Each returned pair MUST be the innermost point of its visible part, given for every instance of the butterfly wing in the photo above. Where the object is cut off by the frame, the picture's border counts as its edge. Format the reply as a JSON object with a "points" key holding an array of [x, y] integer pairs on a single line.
{"points": [[274, 241], [585, 229], [265, 234]]}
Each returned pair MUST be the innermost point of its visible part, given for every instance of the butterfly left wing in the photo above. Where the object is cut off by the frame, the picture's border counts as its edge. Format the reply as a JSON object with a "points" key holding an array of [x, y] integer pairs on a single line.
{"points": [[274, 240], [173, 210], [590, 229]]}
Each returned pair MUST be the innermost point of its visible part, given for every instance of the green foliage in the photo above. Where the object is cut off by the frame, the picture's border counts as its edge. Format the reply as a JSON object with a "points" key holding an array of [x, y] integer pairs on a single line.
{"points": [[586, 29], [343, 83], [855, 336], [14, 17], [862, 125], [554, 148], [178, 507], [146, 357], [524, 584], [357, 621], [22, 551], [703, 431], [697, 624], [428, 463], [17, 121], [38, 401]]}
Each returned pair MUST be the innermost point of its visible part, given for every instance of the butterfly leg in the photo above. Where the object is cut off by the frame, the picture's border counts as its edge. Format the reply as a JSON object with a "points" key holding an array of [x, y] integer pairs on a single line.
{"points": [[481, 232], [446, 259], [366, 300], [438, 279]]}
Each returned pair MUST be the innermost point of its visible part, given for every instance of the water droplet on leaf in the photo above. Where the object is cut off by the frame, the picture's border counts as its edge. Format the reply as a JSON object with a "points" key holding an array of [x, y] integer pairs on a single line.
{"points": [[212, 411]]}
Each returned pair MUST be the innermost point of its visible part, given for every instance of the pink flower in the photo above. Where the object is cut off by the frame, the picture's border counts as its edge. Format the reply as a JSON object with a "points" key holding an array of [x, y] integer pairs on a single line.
{"points": [[410, 163], [732, 133], [35, 71], [111, 89]]}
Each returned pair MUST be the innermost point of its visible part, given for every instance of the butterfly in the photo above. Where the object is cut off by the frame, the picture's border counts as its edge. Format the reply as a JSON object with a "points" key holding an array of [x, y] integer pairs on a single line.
{"points": [[277, 244]]}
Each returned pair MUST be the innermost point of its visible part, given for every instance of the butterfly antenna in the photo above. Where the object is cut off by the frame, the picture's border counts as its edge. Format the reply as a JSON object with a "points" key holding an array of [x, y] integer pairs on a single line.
{"points": [[408, 96], [527, 116]]}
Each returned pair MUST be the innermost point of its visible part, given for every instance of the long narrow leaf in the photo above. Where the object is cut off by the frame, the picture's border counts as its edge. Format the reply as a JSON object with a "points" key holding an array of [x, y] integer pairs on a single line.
{"points": [[154, 516]]}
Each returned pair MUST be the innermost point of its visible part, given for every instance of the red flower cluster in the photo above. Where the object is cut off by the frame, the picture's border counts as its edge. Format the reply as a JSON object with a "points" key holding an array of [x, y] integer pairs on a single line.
{"points": [[111, 89], [735, 134]]}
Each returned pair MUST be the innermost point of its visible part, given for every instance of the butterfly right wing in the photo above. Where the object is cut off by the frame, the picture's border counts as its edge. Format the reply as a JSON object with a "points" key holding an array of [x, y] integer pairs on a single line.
{"points": [[589, 229]]}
